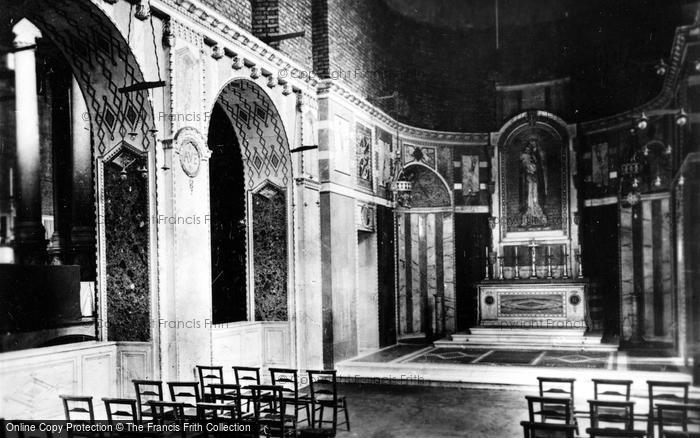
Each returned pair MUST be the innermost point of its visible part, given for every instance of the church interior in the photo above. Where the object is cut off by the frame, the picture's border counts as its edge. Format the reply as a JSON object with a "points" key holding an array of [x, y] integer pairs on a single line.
{"points": [[445, 218]]}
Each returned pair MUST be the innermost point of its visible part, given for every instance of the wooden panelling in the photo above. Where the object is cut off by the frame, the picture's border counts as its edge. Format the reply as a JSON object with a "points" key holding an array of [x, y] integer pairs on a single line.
{"points": [[32, 380]]}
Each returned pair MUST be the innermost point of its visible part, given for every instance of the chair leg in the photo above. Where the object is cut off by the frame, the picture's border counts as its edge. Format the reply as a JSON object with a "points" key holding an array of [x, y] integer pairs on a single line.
{"points": [[347, 416], [335, 418], [308, 416]]}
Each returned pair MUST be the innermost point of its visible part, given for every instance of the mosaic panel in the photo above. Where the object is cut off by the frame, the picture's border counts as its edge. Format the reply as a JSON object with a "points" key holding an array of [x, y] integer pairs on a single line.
{"points": [[263, 142], [126, 231], [363, 151], [102, 62], [270, 249], [419, 154]]}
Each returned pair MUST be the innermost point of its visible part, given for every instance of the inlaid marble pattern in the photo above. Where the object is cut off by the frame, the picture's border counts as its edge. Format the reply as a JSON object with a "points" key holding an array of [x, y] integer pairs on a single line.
{"points": [[426, 273]]}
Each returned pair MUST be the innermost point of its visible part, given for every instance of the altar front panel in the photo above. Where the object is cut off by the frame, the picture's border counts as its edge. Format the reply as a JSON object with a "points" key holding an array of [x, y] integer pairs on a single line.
{"points": [[526, 305]]}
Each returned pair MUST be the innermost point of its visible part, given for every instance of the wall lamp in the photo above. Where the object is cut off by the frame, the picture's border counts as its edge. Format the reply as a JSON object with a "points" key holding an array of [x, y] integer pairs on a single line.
{"points": [[642, 121], [661, 67]]}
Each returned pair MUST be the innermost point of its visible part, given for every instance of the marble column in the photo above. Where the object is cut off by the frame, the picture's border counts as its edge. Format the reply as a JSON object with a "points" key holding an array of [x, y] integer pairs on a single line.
{"points": [[30, 243], [83, 231], [62, 174]]}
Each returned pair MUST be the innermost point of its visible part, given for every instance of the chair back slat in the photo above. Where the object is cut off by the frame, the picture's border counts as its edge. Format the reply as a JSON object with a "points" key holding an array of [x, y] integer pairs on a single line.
{"points": [[78, 409], [666, 392], [673, 418], [271, 411], [611, 414], [147, 390], [611, 389], [288, 380], [121, 409], [209, 375], [546, 409], [185, 392], [547, 430], [323, 384]]}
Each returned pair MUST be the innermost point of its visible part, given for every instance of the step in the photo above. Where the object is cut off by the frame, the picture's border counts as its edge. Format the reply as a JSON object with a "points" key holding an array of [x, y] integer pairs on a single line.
{"points": [[519, 338]]}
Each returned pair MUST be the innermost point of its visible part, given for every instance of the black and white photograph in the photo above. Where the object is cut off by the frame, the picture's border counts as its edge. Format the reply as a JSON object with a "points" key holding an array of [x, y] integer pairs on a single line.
{"points": [[349, 218]]}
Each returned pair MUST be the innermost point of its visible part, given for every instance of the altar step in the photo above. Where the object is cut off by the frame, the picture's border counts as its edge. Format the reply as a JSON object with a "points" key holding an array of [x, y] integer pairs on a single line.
{"points": [[528, 338]]}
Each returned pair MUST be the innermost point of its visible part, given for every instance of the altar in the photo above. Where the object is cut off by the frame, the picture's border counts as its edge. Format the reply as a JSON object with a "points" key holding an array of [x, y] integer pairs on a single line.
{"points": [[534, 291], [526, 304]]}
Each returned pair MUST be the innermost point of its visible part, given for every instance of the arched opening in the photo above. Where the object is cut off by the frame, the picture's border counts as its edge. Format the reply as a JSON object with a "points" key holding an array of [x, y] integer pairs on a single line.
{"points": [[228, 221], [250, 175], [425, 257], [74, 228]]}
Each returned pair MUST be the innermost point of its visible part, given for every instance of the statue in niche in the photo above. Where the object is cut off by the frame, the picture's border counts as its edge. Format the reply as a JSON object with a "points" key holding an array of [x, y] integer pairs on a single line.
{"points": [[533, 184]]}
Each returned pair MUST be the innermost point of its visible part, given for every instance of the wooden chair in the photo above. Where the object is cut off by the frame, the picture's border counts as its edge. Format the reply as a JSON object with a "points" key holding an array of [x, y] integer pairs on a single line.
{"points": [[558, 387], [147, 390], [79, 410], [209, 375], [549, 408], [287, 379], [324, 394], [222, 393], [121, 410], [186, 393], [271, 408], [246, 376], [667, 393], [617, 415], [165, 414], [615, 433], [547, 430], [218, 414], [611, 389], [683, 416]]}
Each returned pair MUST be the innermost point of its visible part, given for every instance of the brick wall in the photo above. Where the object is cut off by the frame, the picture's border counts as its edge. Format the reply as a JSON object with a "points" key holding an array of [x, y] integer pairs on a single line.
{"points": [[238, 11], [439, 73], [295, 16], [265, 19]]}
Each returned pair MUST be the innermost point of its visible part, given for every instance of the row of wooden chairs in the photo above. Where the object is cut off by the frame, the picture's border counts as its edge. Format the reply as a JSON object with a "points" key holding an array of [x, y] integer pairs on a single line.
{"points": [[266, 416], [322, 396], [611, 411], [248, 398]]}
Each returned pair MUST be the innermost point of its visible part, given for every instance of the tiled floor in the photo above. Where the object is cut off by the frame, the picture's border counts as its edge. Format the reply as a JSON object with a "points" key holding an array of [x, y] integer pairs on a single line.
{"points": [[387, 411], [412, 353]]}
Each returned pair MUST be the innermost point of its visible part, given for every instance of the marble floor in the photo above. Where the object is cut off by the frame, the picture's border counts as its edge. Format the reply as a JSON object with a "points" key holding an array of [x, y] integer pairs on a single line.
{"points": [[427, 354], [392, 411]]}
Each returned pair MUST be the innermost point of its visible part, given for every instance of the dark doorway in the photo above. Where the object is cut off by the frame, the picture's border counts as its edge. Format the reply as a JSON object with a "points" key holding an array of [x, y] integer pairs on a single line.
{"points": [[228, 222], [385, 256], [472, 236], [600, 248]]}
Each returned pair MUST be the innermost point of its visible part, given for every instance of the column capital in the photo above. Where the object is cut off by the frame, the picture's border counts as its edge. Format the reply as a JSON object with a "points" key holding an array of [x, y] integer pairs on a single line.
{"points": [[26, 34]]}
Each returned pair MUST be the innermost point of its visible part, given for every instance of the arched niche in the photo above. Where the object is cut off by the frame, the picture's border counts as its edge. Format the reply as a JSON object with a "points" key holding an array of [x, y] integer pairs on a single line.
{"points": [[429, 189], [264, 158], [121, 129]]}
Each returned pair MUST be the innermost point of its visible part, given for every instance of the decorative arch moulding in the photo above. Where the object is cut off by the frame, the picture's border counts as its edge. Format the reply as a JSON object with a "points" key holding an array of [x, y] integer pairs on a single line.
{"points": [[408, 132], [684, 37], [533, 178], [218, 30]]}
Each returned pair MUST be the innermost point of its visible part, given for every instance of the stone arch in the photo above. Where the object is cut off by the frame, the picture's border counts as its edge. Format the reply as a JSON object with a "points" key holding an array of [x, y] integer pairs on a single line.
{"points": [[102, 62], [122, 131], [430, 190], [267, 168], [261, 133]]}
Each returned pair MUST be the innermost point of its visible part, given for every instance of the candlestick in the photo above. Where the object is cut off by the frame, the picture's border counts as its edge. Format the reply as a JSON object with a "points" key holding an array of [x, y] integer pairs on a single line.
{"points": [[501, 259], [517, 267], [549, 262], [580, 262], [486, 265], [533, 255], [566, 263]]}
